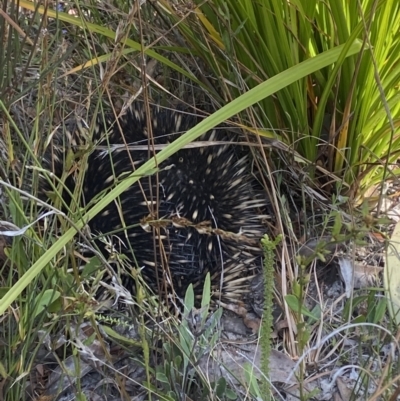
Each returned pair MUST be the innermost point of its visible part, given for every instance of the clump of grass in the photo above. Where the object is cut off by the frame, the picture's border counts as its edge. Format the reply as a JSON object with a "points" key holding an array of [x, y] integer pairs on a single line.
{"points": [[346, 114], [332, 115]]}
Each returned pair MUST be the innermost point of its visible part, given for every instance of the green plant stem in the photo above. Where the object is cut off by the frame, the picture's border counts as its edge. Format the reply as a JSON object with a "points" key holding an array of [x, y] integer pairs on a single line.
{"points": [[268, 247]]}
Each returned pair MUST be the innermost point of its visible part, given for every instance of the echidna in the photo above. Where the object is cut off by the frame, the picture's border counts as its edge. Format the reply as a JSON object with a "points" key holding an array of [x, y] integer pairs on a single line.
{"points": [[201, 210]]}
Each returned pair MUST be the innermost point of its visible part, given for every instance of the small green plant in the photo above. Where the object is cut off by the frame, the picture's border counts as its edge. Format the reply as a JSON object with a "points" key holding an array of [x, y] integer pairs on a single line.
{"points": [[197, 335]]}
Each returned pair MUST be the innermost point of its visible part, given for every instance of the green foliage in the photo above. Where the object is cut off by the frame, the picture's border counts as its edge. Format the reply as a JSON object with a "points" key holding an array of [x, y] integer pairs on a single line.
{"points": [[312, 73], [197, 335], [222, 391], [348, 113], [294, 303], [260, 92], [47, 300], [373, 307]]}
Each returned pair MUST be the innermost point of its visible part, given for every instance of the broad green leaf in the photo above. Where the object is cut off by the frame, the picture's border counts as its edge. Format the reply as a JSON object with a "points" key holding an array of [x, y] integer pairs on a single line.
{"points": [[189, 299], [293, 303], [44, 300], [206, 299]]}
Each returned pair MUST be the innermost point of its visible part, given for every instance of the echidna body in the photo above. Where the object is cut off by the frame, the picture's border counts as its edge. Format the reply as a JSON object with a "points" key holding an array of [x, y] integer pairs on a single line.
{"points": [[200, 209]]}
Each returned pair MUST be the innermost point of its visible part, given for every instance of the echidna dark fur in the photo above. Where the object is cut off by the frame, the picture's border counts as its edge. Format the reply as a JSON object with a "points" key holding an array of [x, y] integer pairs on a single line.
{"points": [[202, 210]]}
